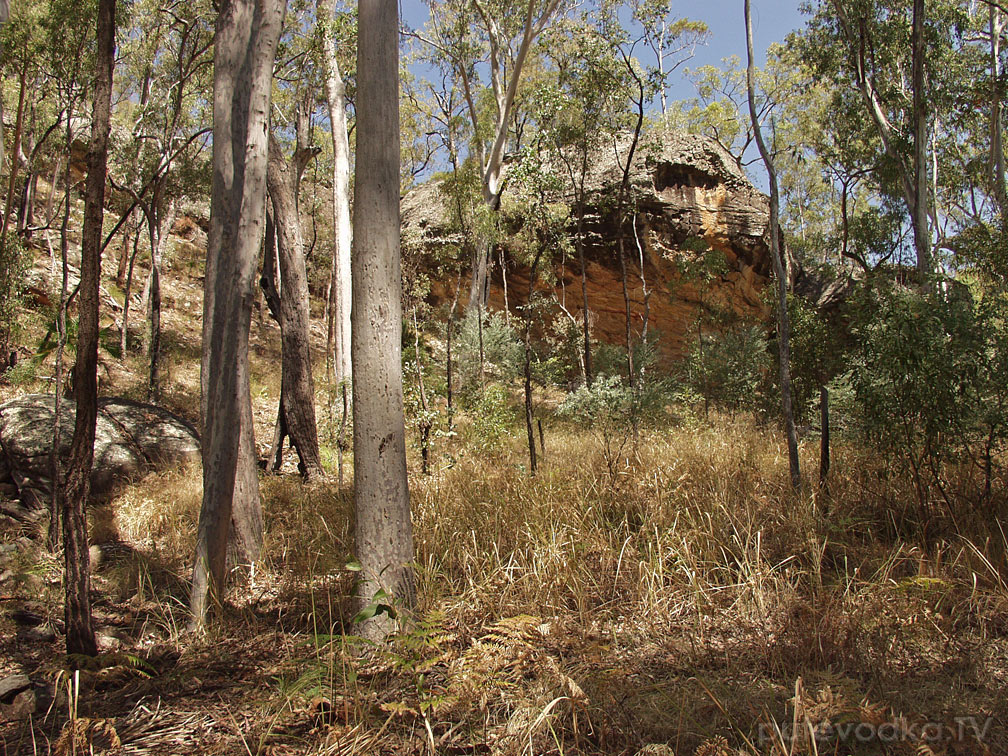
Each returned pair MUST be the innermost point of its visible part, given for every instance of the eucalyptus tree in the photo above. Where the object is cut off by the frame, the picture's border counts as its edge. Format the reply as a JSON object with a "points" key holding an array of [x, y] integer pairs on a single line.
{"points": [[335, 35], [543, 232], [296, 413], [383, 530], [777, 258], [66, 64], [581, 58], [80, 636], [247, 33], [495, 36], [168, 70]]}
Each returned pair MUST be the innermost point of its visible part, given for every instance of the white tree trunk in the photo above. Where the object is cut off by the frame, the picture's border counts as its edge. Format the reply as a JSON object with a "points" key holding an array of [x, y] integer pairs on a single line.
{"points": [[384, 532], [340, 277], [246, 39]]}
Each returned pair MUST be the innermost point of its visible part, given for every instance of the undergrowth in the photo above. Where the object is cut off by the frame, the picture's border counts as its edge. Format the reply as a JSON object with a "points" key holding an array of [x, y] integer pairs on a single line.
{"points": [[680, 599]]}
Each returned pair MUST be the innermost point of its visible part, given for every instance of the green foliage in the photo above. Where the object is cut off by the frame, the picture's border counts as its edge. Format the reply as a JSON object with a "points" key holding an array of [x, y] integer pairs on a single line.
{"points": [[729, 367], [930, 375], [15, 260], [502, 350], [493, 417]]}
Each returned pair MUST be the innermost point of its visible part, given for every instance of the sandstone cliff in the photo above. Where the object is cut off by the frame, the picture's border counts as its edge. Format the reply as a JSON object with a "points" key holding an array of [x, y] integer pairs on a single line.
{"points": [[689, 195]]}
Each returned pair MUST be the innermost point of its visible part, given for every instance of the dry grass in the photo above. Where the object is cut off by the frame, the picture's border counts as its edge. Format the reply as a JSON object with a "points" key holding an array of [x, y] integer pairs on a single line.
{"points": [[690, 602], [680, 598]]}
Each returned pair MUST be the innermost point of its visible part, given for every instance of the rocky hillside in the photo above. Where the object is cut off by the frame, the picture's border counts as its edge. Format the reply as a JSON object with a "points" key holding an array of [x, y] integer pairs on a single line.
{"points": [[690, 196]]}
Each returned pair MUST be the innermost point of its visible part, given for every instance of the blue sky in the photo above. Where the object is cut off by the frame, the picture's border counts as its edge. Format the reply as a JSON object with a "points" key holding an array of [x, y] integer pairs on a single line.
{"points": [[772, 20]]}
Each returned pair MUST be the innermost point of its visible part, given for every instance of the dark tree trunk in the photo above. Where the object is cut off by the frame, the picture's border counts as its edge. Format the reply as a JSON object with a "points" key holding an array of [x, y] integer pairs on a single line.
{"points": [[55, 463], [297, 392], [621, 205], [80, 636], [425, 422]]}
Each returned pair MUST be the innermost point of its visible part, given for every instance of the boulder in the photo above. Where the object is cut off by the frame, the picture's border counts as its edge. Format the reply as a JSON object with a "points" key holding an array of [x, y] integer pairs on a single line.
{"points": [[131, 439], [690, 196]]}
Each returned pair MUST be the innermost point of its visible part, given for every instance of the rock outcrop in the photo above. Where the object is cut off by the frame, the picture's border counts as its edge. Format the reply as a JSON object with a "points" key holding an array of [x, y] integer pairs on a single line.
{"points": [[131, 439], [689, 195]]}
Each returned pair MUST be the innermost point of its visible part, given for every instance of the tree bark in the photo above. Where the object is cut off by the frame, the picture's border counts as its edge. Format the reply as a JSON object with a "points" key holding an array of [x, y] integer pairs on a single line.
{"points": [[997, 166], [15, 153], [55, 463], [783, 324], [533, 461], [247, 32], [338, 336], [297, 389], [80, 636], [922, 239], [384, 531], [159, 227]]}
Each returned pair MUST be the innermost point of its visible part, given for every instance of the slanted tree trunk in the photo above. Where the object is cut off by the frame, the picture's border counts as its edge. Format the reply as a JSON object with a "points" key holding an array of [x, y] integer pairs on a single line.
{"points": [[297, 389], [338, 330], [384, 530], [247, 32], [80, 636], [783, 324]]}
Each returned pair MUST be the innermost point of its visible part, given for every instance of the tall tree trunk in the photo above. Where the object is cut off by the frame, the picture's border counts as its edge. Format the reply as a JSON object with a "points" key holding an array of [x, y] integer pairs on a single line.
{"points": [[479, 284], [621, 204], [15, 154], [384, 530], [80, 636], [783, 324], [425, 418], [55, 463], [922, 239], [297, 389], [997, 166], [247, 33], [159, 229], [533, 462], [579, 243], [127, 292], [123, 256], [338, 336]]}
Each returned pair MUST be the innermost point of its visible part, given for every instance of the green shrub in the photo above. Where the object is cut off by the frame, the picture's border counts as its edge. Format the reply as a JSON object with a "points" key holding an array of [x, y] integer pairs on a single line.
{"points": [[493, 417], [503, 351], [15, 260]]}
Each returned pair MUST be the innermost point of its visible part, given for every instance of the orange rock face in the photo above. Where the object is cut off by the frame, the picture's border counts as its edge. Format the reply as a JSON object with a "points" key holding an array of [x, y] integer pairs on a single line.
{"points": [[688, 197]]}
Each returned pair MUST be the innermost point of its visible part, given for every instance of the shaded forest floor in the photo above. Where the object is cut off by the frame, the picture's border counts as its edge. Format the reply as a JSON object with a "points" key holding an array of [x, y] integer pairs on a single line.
{"points": [[676, 598]]}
